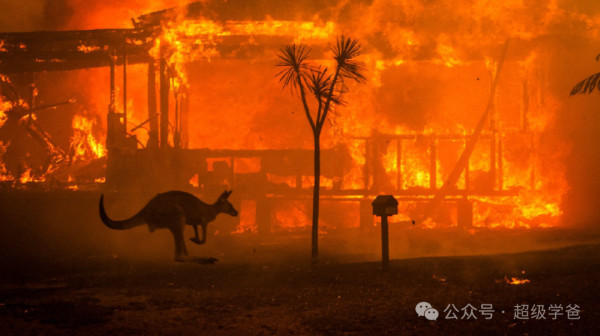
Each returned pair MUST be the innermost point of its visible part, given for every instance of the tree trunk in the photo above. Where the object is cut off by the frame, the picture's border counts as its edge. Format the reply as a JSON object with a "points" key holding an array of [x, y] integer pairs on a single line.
{"points": [[317, 187]]}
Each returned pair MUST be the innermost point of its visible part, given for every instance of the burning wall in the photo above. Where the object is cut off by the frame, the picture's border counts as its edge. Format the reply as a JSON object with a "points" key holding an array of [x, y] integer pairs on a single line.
{"points": [[430, 72]]}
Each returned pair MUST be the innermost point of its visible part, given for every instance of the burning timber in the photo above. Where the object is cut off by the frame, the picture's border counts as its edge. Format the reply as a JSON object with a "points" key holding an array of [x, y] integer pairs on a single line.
{"points": [[410, 164]]}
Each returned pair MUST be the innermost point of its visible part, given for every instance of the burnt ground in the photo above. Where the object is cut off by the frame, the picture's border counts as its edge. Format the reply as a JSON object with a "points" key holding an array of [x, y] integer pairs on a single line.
{"points": [[113, 295], [64, 273]]}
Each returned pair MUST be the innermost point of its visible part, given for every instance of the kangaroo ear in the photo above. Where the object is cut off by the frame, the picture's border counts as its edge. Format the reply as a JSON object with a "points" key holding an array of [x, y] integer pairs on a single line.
{"points": [[225, 194]]}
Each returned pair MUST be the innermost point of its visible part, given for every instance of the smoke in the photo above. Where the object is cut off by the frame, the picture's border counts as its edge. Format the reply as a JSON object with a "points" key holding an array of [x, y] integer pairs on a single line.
{"points": [[27, 15], [430, 66]]}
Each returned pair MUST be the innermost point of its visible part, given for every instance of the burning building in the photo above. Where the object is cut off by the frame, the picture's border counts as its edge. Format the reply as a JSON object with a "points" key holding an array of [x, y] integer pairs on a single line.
{"points": [[187, 98]]}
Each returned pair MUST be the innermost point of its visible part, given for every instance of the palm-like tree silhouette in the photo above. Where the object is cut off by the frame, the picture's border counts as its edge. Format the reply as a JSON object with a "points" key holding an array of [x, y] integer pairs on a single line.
{"points": [[327, 89], [587, 85]]}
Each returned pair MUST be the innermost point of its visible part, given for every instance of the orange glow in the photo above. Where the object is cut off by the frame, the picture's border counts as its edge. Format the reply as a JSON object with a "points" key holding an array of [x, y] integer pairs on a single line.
{"points": [[247, 218], [185, 41], [4, 106], [87, 49], [423, 82], [83, 143], [516, 281], [27, 176], [290, 216]]}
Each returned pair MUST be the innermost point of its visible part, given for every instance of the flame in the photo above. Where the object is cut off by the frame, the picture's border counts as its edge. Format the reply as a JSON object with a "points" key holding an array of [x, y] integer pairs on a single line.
{"points": [[415, 89], [28, 176], [4, 106], [194, 181], [87, 49], [247, 218], [290, 216], [184, 41], [448, 55], [515, 281], [83, 143], [4, 176]]}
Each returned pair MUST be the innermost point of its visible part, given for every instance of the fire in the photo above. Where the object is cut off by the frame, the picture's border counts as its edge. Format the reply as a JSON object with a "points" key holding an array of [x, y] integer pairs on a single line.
{"points": [[514, 281], [248, 218], [184, 41], [291, 216], [28, 176], [447, 54], [4, 106], [4, 176], [88, 49], [83, 143], [425, 83]]}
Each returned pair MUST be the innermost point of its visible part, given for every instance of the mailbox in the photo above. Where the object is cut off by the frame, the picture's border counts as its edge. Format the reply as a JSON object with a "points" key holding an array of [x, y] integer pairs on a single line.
{"points": [[385, 205]]}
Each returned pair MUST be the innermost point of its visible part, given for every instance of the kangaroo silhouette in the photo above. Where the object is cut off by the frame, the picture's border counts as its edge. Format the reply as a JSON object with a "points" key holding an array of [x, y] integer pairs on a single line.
{"points": [[173, 210]]}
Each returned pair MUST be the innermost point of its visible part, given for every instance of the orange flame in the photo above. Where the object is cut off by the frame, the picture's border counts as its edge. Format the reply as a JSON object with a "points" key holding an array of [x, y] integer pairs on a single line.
{"points": [[83, 143]]}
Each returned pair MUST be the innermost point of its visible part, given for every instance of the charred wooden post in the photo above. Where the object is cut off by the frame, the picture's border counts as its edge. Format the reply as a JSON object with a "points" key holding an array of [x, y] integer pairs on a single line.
{"points": [[115, 131], [231, 176], [164, 103], [500, 173], [152, 113], [525, 106], [398, 164], [493, 143], [467, 175], [379, 147], [533, 158], [493, 162], [112, 128], [125, 87], [185, 119], [367, 165], [112, 102], [433, 164]]}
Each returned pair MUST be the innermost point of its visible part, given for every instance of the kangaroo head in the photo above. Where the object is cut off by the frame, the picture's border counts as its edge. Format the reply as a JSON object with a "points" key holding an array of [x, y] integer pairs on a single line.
{"points": [[224, 206]]}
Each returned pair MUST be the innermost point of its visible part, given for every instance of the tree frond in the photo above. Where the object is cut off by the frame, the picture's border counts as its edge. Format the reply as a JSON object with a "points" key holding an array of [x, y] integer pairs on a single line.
{"points": [[295, 69], [587, 85], [320, 81], [344, 52]]}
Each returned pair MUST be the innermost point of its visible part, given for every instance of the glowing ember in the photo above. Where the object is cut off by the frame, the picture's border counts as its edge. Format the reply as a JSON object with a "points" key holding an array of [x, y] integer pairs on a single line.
{"points": [[28, 176], [87, 49], [4, 176], [4, 106], [515, 281], [439, 278]]}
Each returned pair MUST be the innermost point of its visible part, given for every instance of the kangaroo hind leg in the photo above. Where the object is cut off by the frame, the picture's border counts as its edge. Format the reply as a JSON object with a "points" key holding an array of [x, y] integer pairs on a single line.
{"points": [[176, 227], [181, 254]]}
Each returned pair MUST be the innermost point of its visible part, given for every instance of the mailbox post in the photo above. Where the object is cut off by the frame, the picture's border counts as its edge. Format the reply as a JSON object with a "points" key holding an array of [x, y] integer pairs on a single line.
{"points": [[384, 206]]}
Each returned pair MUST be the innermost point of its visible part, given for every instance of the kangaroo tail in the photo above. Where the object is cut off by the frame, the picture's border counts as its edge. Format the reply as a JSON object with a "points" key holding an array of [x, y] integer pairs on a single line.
{"points": [[125, 224]]}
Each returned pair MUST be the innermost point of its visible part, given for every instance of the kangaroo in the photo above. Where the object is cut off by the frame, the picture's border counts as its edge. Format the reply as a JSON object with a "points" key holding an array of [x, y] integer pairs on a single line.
{"points": [[172, 210]]}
